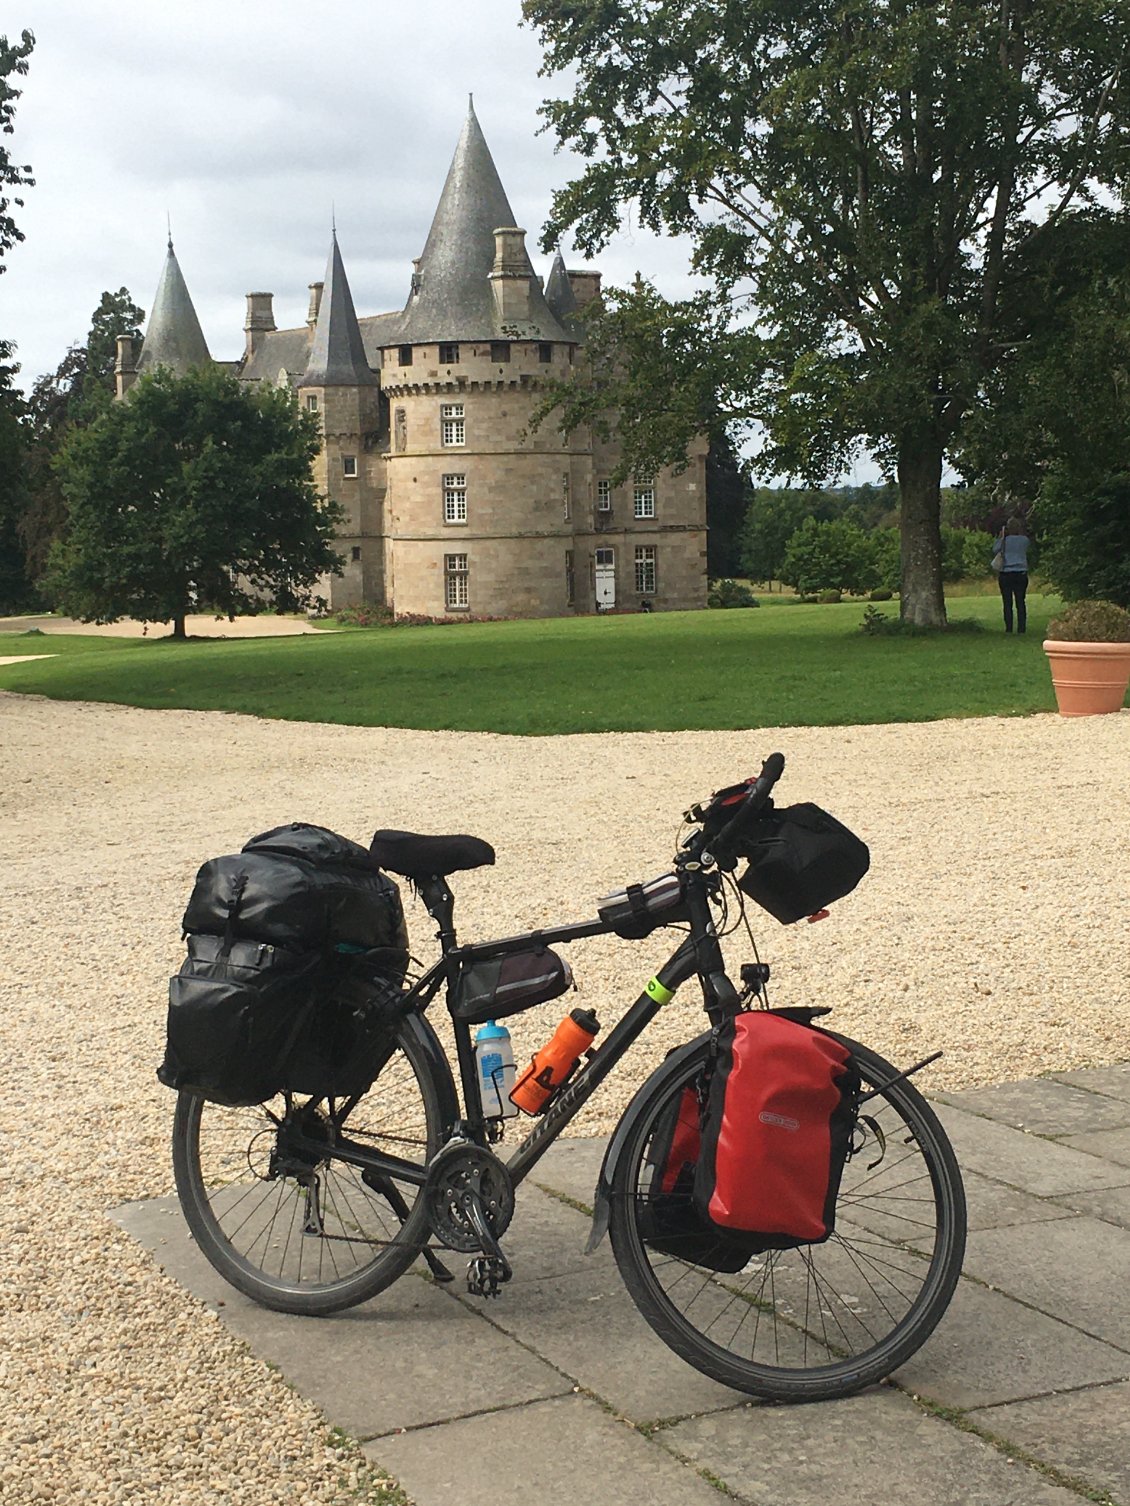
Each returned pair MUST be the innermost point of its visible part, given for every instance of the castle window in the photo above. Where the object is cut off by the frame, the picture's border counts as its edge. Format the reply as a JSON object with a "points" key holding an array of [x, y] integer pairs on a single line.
{"points": [[565, 494], [500, 350], [311, 402], [451, 424], [455, 499], [356, 552], [349, 465], [455, 575], [406, 355], [570, 578], [448, 355], [644, 502], [604, 496], [545, 354], [645, 569]]}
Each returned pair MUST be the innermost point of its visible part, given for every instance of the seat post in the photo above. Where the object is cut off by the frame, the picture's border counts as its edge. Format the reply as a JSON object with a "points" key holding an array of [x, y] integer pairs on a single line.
{"points": [[440, 904]]}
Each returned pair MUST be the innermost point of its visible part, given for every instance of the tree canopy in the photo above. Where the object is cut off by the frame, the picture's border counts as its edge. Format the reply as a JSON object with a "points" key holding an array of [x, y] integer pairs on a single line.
{"points": [[195, 492], [13, 61], [862, 183]]}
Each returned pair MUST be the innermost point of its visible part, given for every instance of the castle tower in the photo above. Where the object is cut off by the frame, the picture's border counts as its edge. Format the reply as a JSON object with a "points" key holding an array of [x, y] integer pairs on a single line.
{"points": [[340, 386], [173, 337], [480, 504]]}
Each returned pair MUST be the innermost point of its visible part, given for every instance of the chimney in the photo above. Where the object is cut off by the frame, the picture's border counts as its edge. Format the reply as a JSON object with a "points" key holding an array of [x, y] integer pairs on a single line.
{"points": [[510, 275], [585, 285], [260, 319], [315, 304], [125, 366]]}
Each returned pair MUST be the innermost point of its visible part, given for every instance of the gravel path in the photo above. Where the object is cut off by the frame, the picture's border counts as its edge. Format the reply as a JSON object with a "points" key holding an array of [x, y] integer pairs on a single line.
{"points": [[994, 923]]}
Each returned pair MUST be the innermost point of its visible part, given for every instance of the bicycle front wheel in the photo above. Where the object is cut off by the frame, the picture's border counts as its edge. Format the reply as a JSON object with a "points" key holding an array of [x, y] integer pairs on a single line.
{"points": [[822, 1320], [303, 1232]]}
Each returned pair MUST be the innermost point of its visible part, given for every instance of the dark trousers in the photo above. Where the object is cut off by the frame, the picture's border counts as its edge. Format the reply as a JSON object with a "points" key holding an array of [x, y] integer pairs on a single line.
{"points": [[1014, 586]]}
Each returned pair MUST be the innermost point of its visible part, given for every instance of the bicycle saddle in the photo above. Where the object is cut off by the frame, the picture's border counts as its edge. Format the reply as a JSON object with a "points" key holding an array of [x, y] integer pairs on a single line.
{"points": [[417, 857]]}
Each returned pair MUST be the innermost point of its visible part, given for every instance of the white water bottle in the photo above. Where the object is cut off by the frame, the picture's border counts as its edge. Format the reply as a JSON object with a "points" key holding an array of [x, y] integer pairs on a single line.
{"points": [[494, 1060]]}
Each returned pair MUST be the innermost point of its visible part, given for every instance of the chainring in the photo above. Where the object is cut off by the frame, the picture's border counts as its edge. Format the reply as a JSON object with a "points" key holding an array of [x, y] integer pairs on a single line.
{"points": [[459, 1171]]}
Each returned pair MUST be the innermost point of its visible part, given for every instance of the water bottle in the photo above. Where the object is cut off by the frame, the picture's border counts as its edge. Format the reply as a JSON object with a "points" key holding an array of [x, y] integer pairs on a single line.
{"points": [[555, 1061], [494, 1061]]}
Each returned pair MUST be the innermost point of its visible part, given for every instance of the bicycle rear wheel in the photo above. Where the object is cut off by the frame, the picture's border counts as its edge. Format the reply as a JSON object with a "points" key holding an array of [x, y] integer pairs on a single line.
{"points": [[823, 1320], [307, 1233]]}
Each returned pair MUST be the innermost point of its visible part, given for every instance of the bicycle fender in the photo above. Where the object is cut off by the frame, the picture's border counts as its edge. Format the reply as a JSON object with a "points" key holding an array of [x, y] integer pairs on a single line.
{"points": [[438, 1065], [602, 1206]]}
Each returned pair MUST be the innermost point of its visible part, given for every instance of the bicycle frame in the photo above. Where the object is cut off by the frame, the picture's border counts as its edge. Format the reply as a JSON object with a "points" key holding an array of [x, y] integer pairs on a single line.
{"points": [[698, 953]]}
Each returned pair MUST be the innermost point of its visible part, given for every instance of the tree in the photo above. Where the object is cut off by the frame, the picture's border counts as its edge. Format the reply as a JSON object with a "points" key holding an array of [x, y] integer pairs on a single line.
{"points": [[17, 594], [830, 556], [861, 182], [196, 491], [1087, 538], [727, 498], [773, 516], [13, 60], [81, 387]]}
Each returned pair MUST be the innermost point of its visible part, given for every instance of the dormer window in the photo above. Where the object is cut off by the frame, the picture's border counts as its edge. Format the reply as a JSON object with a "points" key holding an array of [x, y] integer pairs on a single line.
{"points": [[449, 355], [406, 355]]}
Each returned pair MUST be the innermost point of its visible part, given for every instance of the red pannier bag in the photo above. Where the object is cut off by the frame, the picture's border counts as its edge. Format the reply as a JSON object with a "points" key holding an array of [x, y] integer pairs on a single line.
{"points": [[776, 1132]]}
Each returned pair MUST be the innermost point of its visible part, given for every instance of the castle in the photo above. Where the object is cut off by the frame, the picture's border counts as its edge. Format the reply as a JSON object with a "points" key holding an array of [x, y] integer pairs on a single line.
{"points": [[453, 503]]}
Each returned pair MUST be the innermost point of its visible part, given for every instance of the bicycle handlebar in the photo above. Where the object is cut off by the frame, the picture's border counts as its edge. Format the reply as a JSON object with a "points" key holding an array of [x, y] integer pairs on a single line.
{"points": [[751, 797]]}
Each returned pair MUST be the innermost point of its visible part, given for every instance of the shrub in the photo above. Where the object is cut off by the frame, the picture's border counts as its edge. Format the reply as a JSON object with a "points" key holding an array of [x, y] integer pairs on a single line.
{"points": [[1091, 622], [830, 596], [835, 556], [1086, 538], [877, 624], [880, 593], [730, 593]]}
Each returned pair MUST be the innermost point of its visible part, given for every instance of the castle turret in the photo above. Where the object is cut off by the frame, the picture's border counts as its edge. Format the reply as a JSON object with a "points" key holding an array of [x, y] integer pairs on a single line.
{"points": [[559, 293], [337, 355], [173, 337]]}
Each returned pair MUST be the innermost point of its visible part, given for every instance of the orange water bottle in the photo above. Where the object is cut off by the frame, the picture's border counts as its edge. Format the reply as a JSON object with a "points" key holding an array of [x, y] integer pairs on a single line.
{"points": [[554, 1062]]}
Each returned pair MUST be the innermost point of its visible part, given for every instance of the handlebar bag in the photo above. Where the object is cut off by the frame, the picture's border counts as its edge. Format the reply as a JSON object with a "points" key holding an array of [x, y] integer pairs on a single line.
{"points": [[489, 988], [781, 1105], [639, 909], [799, 860], [236, 1009], [301, 887], [666, 1216]]}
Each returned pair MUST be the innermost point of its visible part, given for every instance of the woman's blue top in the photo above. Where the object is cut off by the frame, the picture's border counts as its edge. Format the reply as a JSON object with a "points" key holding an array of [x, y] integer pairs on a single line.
{"points": [[1015, 552]]}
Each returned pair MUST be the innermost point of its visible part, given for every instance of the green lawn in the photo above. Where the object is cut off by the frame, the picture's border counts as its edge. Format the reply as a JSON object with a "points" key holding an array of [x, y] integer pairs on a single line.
{"points": [[780, 665]]}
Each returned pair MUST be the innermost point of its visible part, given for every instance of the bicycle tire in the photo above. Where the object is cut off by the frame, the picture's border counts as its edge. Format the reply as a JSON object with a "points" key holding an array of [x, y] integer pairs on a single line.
{"points": [[785, 1328], [273, 1239]]}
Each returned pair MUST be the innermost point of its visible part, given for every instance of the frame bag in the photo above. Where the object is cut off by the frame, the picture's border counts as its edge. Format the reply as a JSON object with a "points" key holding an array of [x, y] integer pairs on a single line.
{"points": [[777, 1127], [489, 988]]}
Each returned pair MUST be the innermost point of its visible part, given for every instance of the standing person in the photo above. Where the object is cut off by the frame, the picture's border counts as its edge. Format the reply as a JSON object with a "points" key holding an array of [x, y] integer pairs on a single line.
{"points": [[1012, 545]]}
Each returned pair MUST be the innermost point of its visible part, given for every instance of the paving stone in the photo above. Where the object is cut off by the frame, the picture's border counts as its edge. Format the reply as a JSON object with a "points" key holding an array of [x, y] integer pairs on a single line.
{"points": [[1076, 1269], [546, 1238], [993, 1205], [1044, 1107], [875, 1447], [569, 1450], [990, 1349], [588, 1327], [1112, 1204], [1111, 1145], [413, 1355], [572, 1167], [1086, 1434], [1025, 1161], [1114, 1080]]}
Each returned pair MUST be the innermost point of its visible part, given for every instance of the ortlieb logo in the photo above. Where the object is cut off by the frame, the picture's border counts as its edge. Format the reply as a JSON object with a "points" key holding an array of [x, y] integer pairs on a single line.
{"points": [[782, 1121]]}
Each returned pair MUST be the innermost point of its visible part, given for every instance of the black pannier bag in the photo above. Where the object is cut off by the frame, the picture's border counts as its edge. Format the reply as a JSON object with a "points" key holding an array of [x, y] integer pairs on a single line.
{"points": [[490, 988], [666, 1216], [236, 1009], [800, 859], [266, 1000], [776, 1131]]}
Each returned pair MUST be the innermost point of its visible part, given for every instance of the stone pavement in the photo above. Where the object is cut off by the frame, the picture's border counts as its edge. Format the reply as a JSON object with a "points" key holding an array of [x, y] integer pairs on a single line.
{"points": [[1020, 1398]]}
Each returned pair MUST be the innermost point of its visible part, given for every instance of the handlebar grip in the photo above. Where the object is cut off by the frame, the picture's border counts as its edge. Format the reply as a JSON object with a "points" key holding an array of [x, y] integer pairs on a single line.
{"points": [[771, 771]]}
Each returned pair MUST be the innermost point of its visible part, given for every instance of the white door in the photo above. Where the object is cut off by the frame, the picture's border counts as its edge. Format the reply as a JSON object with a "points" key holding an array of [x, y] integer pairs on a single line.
{"points": [[605, 576]]}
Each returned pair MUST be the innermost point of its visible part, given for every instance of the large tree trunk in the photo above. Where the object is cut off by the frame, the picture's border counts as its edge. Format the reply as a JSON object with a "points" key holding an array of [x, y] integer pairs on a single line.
{"points": [[920, 512], [178, 626]]}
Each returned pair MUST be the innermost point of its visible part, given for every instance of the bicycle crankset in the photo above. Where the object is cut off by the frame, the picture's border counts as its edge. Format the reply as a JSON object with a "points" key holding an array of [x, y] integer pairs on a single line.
{"points": [[469, 1198]]}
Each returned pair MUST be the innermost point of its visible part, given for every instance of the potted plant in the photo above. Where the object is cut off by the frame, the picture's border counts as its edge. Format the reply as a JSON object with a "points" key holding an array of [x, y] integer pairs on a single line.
{"points": [[1088, 648]]}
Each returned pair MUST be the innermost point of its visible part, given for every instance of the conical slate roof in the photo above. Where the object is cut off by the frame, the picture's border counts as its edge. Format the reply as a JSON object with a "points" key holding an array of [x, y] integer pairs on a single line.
{"points": [[173, 337], [451, 296], [559, 293], [337, 354]]}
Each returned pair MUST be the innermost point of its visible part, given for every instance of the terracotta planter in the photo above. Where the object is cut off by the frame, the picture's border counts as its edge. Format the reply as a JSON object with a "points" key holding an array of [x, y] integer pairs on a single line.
{"points": [[1088, 678]]}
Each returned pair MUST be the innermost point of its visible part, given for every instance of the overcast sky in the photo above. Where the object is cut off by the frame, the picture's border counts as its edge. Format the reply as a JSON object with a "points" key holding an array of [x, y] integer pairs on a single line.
{"points": [[249, 122]]}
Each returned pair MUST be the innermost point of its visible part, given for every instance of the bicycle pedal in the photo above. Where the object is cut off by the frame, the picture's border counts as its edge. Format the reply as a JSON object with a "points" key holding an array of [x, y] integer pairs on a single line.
{"points": [[486, 1274]]}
